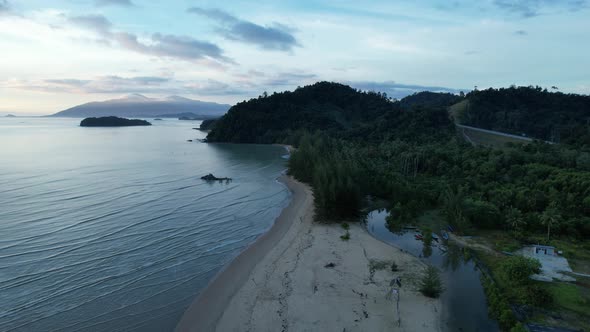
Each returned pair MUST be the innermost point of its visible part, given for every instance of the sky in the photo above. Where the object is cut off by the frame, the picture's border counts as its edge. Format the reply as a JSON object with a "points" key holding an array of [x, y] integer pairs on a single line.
{"points": [[60, 53]]}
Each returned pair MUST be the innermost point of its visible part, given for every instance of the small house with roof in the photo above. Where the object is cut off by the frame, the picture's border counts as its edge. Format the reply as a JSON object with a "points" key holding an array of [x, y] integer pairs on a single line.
{"points": [[543, 250]]}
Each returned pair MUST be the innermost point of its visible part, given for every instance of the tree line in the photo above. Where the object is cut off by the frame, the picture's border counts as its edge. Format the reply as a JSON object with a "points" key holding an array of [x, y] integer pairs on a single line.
{"points": [[354, 145]]}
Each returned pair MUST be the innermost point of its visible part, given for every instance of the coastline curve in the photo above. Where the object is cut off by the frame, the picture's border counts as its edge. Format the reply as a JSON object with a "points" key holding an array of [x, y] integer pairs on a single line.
{"points": [[205, 311]]}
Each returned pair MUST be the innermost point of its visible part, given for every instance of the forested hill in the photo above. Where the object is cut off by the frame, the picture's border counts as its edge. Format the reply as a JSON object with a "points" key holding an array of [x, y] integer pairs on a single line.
{"points": [[354, 144], [533, 111], [336, 109], [322, 106], [429, 99]]}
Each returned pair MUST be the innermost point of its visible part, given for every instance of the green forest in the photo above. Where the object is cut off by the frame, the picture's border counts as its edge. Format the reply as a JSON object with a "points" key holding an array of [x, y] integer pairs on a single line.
{"points": [[532, 111], [355, 145]]}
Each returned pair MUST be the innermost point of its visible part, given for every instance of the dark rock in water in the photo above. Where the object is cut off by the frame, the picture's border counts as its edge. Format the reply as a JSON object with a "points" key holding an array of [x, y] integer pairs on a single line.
{"points": [[189, 140], [157, 119], [112, 121], [211, 177]]}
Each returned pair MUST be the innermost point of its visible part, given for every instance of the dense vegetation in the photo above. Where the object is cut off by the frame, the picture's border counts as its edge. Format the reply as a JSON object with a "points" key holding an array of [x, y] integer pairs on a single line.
{"points": [[533, 111], [207, 124], [429, 99], [112, 121], [328, 107], [354, 145]]}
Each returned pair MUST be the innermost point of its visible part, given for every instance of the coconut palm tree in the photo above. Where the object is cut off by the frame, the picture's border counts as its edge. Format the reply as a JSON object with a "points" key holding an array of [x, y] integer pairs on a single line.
{"points": [[550, 217]]}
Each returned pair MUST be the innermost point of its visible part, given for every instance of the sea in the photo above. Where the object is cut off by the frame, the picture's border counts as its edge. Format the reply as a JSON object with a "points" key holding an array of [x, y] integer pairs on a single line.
{"points": [[112, 229]]}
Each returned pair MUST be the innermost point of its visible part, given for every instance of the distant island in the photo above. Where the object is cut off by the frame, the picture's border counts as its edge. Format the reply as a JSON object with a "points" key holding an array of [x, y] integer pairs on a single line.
{"points": [[140, 106], [10, 116], [112, 121]]}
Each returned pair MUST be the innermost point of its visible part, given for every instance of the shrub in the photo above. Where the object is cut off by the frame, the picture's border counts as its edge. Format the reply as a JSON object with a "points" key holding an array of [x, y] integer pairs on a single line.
{"points": [[346, 236], [536, 295], [498, 305], [394, 267], [516, 270], [431, 285], [518, 328], [345, 226]]}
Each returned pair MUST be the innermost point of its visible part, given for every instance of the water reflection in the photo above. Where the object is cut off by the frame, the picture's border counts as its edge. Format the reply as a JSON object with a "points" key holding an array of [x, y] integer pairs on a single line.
{"points": [[464, 303], [426, 250]]}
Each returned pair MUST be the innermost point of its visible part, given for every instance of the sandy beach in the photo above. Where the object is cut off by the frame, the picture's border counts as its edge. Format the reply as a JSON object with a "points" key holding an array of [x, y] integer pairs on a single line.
{"points": [[301, 276]]}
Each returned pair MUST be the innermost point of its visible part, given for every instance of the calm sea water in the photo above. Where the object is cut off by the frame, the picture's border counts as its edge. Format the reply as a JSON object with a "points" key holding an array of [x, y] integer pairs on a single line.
{"points": [[111, 229]]}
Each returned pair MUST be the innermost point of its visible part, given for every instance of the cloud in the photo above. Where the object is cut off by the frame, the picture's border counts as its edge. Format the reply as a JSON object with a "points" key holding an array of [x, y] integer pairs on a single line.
{"points": [[532, 8], [212, 87], [283, 79], [275, 37], [101, 84], [125, 3], [96, 23], [4, 7], [398, 90], [179, 47], [114, 84], [167, 46]]}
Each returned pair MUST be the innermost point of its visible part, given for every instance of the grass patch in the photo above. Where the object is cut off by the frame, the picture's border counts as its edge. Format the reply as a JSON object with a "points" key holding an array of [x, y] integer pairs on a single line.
{"points": [[490, 139], [577, 252], [457, 110], [500, 240], [569, 296], [375, 264]]}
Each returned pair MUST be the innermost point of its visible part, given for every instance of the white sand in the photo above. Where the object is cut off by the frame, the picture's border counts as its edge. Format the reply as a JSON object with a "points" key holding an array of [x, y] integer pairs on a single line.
{"points": [[288, 288]]}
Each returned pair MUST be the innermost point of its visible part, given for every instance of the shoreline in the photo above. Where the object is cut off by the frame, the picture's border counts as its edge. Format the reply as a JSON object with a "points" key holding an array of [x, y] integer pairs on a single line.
{"points": [[209, 305], [301, 275]]}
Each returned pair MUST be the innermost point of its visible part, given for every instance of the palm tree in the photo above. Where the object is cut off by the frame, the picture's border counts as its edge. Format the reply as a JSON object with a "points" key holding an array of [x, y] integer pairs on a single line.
{"points": [[514, 218], [550, 217]]}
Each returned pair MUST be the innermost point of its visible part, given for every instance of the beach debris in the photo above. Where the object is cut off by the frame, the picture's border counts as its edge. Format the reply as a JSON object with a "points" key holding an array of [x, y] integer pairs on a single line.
{"points": [[330, 265]]}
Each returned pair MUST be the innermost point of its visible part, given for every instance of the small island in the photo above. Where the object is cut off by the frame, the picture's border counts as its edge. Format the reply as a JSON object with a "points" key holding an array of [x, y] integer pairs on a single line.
{"points": [[10, 116], [112, 121], [211, 177]]}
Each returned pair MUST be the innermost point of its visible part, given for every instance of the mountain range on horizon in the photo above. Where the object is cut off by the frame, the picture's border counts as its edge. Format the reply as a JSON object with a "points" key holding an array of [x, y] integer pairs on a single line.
{"points": [[138, 105]]}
